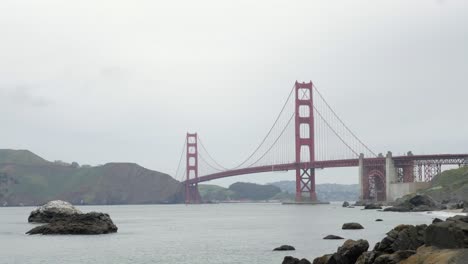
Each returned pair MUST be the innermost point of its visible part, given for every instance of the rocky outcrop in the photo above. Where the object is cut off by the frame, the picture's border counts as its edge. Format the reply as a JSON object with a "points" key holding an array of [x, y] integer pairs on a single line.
{"points": [[402, 237], [292, 260], [415, 203], [332, 237], [78, 224], [352, 226], [284, 248], [452, 233], [349, 252], [53, 210]]}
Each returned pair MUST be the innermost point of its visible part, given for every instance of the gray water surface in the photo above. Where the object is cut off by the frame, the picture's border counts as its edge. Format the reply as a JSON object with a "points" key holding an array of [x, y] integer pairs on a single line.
{"points": [[214, 233]]}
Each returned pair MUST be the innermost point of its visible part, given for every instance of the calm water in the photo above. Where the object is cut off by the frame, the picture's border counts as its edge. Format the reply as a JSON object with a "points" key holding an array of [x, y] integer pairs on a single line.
{"points": [[217, 233]]}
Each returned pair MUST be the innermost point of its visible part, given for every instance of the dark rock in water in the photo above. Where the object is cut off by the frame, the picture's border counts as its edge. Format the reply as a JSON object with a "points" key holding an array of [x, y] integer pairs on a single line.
{"points": [[345, 204], [87, 224], [332, 237], [52, 211], [350, 206], [437, 220], [359, 203], [378, 220], [402, 237], [416, 203], [372, 206], [350, 251], [352, 226], [452, 233], [284, 248], [394, 258], [292, 260]]}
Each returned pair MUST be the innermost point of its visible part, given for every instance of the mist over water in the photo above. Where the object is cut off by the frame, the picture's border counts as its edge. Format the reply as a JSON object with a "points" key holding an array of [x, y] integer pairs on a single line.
{"points": [[217, 233]]}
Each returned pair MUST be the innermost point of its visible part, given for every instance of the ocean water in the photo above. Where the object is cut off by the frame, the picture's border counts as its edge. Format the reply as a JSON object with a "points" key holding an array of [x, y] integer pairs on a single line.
{"points": [[211, 233]]}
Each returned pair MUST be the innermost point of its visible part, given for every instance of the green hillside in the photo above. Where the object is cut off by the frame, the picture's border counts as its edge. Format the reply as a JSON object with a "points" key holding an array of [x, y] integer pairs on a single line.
{"points": [[450, 185], [27, 179]]}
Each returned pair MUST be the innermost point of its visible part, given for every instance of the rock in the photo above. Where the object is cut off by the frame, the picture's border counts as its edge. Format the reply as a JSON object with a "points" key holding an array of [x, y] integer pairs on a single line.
{"points": [[378, 220], [437, 220], [367, 257], [417, 203], [402, 237], [52, 210], [394, 258], [345, 204], [332, 237], [284, 248], [323, 259], [292, 260], [433, 255], [350, 206], [350, 251], [359, 203], [352, 226], [452, 233], [88, 224], [372, 207]]}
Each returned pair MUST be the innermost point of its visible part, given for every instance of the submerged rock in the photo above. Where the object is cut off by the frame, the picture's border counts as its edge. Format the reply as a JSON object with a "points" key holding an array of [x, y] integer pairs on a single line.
{"points": [[378, 220], [53, 210], [77, 224], [284, 248], [352, 226], [345, 204], [332, 237]]}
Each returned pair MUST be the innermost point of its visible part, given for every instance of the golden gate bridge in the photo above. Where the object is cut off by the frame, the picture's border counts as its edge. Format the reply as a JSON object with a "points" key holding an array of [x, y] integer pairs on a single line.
{"points": [[307, 135]]}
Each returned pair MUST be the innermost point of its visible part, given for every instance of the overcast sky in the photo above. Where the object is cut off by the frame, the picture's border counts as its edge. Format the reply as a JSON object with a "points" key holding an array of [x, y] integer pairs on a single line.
{"points": [[101, 81]]}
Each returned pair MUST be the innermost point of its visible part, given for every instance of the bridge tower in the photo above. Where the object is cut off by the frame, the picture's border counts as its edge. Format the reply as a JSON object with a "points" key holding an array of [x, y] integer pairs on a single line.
{"points": [[191, 189], [305, 144]]}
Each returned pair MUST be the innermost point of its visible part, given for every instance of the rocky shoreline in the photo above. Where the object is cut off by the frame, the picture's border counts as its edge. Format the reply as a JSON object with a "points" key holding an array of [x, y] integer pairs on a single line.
{"points": [[443, 241]]}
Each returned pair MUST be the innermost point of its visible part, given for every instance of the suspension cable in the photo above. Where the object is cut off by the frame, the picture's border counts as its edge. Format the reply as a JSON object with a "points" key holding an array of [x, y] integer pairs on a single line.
{"points": [[180, 159], [209, 156], [341, 121], [272, 145]]}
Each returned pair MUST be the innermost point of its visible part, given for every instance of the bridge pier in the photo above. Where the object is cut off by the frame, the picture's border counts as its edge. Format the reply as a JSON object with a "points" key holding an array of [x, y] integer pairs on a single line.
{"points": [[305, 184]]}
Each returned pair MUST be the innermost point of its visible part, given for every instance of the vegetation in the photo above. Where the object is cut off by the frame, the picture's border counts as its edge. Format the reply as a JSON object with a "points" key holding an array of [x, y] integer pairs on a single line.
{"points": [[26, 178], [450, 185], [325, 192]]}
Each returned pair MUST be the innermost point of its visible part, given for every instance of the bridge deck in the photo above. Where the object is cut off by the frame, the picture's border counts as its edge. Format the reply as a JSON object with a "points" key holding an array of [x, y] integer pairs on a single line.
{"points": [[445, 159]]}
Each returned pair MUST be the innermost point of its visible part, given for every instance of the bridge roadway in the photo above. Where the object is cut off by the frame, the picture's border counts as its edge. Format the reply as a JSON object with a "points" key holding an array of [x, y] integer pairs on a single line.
{"points": [[443, 159]]}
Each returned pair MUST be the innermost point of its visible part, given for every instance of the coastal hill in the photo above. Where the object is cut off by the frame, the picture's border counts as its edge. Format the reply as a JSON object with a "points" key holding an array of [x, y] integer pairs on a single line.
{"points": [[27, 179], [450, 186], [283, 190]]}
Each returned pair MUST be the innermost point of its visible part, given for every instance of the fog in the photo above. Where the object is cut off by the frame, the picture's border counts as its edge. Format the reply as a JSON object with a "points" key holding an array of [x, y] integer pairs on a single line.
{"points": [[102, 81]]}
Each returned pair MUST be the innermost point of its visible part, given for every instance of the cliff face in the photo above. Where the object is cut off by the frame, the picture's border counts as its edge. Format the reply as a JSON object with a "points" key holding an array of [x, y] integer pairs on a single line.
{"points": [[39, 181], [450, 186]]}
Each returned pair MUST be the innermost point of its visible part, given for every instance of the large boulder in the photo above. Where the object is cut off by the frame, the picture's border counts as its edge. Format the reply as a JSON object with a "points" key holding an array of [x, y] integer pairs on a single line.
{"points": [[452, 233], [352, 226], [394, 258], [53, 210], [402, 237], [350, 251], [76, 224], [414, 203]]}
